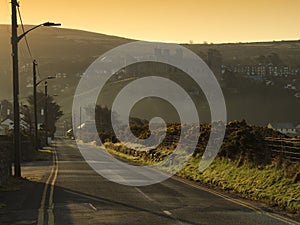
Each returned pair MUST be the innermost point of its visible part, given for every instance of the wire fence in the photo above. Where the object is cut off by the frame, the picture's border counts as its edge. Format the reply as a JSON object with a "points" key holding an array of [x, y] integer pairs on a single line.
{"points": [[287, 148]]}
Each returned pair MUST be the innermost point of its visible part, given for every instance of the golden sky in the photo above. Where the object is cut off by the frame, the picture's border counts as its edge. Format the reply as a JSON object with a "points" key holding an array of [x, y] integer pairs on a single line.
{"points": [[170, 20]]}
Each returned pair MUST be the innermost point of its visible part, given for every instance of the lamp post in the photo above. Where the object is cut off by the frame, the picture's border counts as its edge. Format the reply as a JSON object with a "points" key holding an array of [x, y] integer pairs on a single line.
{"points": [[35, 107], [35, 84], [46, 24], [14, 43], [46, 112]]}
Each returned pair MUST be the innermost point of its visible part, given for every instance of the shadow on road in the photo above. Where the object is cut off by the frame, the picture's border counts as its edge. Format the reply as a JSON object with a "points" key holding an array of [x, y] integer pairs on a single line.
{"points": [[63, 216], [21, 206]]}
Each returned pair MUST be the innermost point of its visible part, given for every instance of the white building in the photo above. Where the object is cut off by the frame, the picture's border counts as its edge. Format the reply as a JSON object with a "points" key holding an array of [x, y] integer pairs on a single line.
{"points": [[9, 124], [298, 129], [285, 128]]}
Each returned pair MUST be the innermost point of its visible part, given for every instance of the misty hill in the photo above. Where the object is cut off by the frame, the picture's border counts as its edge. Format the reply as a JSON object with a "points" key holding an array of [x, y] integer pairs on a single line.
{"points": [[248, 53], [68, 53], [63, 52]]}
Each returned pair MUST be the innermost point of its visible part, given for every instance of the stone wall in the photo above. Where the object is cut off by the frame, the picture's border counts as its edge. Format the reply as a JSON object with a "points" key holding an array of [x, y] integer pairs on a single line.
{"points": [[7, 156], [5, 163]]}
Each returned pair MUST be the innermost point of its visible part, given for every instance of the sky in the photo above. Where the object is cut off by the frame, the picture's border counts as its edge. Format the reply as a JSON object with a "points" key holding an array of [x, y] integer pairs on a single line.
{"points": [[179, 21]]}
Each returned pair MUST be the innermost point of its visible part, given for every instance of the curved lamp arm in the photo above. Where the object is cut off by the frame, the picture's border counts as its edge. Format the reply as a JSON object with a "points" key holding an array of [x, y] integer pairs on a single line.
{"points": [[47, 24], [47, 78]]}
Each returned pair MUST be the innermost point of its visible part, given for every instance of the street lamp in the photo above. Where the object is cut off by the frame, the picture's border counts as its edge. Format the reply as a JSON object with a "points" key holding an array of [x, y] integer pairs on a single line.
{"points": [[47, 24], [46, 112], [35, 84], [14, 43]]}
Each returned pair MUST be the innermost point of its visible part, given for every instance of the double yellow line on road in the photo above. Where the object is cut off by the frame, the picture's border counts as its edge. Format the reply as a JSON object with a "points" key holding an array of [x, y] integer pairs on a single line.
{"points": [[47, 209]]}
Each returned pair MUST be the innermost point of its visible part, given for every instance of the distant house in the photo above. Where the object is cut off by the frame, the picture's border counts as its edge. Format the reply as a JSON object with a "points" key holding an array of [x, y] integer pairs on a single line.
{"points": [[298, 129], [9, 124], [24, 125], [285, 128]]}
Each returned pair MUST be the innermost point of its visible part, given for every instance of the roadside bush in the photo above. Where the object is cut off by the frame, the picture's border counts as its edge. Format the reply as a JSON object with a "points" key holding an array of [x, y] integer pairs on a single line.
{"points": [[244, 143]]}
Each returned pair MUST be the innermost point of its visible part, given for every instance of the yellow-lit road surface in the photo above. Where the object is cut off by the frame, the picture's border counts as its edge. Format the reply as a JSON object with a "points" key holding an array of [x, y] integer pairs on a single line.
{"points": [[45, 213], [81, 196], [71, 193]]}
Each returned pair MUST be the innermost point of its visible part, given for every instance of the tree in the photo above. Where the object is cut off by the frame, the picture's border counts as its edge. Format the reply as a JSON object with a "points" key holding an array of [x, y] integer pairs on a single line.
{"points": [[103, 116], [27, 117], [54, 112]]}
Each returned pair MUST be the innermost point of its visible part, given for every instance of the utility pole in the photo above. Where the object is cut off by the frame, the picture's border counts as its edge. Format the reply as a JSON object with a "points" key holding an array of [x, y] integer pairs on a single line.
{"points": [[36, 139], [80, 118], [14, 44], [80, 123], [46, 112], [74, 124]]}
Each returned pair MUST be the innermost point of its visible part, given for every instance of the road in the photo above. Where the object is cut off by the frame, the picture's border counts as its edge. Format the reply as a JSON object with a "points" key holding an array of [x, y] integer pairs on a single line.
{"points": [[76, 195]]}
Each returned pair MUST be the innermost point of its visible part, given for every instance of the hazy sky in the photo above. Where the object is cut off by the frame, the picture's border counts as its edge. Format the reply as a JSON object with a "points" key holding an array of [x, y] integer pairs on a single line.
{"points": [[170, 21]]}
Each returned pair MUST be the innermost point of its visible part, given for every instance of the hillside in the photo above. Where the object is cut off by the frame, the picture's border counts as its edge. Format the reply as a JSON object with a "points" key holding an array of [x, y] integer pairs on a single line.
{"points": [[67, 53], [247, 53], [63, 52]]}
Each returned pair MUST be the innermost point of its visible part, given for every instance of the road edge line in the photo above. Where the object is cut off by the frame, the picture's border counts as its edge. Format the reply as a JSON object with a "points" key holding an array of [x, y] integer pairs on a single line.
{"points": [[236, 201]]}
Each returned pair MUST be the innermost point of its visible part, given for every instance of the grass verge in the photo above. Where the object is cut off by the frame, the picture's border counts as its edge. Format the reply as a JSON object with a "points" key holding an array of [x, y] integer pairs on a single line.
{"points": [[43, 155], [268, 184]]}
